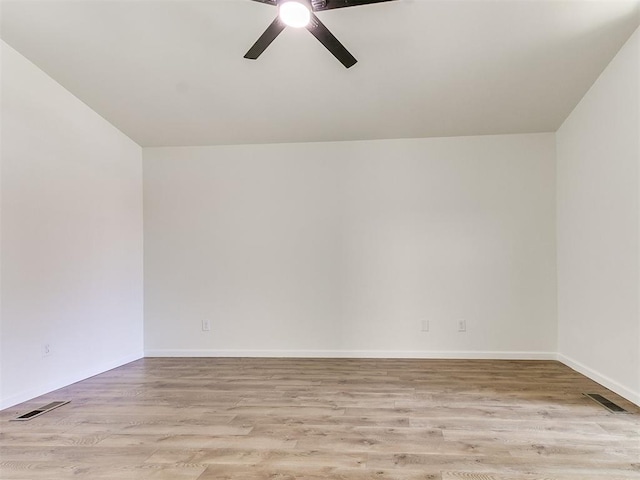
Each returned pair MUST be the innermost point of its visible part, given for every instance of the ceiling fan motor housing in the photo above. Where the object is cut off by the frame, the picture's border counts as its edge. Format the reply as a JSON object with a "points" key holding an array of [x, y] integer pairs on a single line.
{"points": [[310, 4]]}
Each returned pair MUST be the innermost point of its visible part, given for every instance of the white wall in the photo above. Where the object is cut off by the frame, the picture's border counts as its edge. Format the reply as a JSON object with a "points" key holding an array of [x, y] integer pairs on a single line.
{"points": [[598, 177], [344, 248], [71, 237]]}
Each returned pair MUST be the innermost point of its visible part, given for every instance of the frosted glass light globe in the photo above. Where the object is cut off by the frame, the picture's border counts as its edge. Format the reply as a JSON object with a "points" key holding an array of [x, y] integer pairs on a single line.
{"points": [[295, 14]]}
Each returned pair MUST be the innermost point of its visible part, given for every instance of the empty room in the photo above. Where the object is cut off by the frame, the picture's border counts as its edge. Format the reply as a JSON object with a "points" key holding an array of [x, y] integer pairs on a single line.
{"points": [[320, 239]]}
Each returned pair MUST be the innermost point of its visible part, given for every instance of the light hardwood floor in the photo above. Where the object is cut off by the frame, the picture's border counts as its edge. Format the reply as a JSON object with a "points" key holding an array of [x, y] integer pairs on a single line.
{"points": [[280, 419]]}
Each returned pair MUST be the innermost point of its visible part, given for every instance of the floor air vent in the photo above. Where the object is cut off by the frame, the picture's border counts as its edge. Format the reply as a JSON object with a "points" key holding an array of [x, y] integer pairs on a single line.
{"points": [[39, 411], [606, 403]]}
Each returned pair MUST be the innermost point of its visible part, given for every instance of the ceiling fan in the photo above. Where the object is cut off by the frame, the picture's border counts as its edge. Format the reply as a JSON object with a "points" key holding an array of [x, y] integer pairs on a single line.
{"points": [[301, 13]]}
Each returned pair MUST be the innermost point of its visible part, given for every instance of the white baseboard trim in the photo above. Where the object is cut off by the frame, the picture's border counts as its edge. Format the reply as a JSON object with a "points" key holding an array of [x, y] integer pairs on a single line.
{"points": [[603, 380], [481, 355], [65, 381]]}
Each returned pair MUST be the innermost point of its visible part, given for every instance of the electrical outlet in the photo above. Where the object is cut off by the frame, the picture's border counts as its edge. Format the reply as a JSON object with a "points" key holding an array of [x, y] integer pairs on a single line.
{"points": [[462, 325], [206, 325], [46, 350], [425, 326]]}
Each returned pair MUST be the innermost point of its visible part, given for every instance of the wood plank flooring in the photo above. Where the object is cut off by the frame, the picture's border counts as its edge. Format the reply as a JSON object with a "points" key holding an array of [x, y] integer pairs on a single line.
{"points": [[281, 419]]}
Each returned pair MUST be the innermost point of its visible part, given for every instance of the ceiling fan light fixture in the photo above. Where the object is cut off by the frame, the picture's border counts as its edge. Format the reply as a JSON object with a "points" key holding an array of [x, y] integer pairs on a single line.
{"points": [[295, 14]]}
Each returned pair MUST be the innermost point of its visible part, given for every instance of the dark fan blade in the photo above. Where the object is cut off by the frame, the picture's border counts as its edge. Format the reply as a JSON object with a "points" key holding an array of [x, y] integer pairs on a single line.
{"points": [[331, 4], [265, 39], [322, 33]]}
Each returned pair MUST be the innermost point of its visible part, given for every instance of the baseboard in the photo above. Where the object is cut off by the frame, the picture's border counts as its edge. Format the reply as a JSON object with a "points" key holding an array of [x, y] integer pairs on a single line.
{"points": [[471, 355], [603, 380], [49, 387]]}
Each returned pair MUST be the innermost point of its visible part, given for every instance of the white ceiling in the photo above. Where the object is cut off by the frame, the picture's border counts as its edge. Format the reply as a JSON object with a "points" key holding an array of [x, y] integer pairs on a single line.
{"points": [[173, 72]]}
